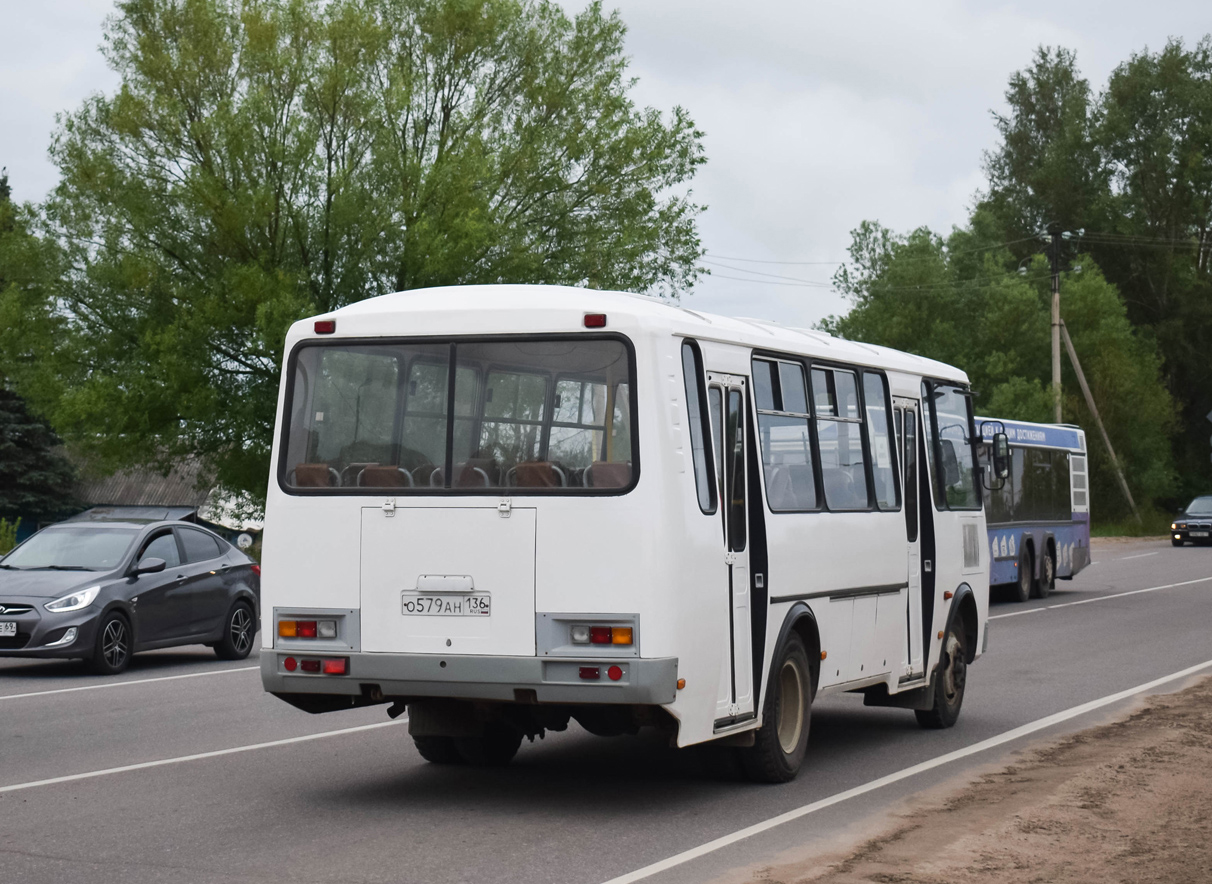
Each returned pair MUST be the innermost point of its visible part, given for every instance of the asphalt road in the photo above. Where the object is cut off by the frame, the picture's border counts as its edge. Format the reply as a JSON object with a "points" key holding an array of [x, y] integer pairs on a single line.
{"points": [[360, 805]]}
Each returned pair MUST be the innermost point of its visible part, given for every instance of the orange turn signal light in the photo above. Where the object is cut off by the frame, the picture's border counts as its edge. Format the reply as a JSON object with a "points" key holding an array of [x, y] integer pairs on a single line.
{"points": [[681, 683], [620, 635], [288, 628], [947, 595]]}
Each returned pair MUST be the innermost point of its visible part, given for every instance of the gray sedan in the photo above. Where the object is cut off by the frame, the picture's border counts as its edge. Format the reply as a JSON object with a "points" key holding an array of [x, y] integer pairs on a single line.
{"points": [[101, 591]]}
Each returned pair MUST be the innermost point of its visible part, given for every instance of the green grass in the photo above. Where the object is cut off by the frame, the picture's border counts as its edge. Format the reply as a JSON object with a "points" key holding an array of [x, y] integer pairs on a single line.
{"points": [[1154, 523]]}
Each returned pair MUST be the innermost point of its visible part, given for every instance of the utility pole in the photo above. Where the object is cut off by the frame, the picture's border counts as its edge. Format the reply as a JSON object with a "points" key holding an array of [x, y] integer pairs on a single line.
{"points": [[1081, 379], [1056, 322]]}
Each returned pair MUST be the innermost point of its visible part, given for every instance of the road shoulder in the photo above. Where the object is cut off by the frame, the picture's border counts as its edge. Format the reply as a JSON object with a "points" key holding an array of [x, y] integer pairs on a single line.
{"points": [[1128, 800]]}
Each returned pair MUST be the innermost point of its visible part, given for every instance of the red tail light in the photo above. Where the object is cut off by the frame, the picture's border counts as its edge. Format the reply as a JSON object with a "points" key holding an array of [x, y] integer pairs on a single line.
{"points": [[309, 665], [592, 673], [256, 569], [615, 673], [599, 635], [306, 629], [334, 667]]}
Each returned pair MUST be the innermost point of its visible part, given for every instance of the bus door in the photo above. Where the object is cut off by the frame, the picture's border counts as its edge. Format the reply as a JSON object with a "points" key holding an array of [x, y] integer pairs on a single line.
{"points": [[908, 432], [726, 398]]}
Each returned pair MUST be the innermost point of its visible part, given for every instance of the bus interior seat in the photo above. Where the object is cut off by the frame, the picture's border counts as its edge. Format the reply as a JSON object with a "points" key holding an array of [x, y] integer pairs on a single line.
{"points": [[474, 473], [779, 488], [378, 476], [314, 475], [840, 490], [537, 474], [601, 474]]}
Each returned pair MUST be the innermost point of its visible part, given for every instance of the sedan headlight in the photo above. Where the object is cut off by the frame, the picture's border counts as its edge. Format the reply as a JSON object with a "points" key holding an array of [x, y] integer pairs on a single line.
{"points": [[75, 601]]}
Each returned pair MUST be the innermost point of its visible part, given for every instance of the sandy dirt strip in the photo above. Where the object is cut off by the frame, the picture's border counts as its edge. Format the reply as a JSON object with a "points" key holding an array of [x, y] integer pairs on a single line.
{"points": [[1129, 801]]}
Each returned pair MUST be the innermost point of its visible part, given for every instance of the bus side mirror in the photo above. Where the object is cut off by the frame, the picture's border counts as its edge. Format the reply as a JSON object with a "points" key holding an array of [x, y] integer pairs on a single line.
{"points": [[1001, 456]]}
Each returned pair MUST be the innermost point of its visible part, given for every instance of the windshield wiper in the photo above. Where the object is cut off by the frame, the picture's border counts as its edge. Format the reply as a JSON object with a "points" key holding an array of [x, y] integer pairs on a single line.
{"points": [[11, 568], [64, 568]]}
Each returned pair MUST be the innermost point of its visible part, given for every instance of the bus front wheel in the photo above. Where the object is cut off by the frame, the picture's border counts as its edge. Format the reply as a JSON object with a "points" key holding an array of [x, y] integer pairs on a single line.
{"points": [[782, 741], [950, 678]]}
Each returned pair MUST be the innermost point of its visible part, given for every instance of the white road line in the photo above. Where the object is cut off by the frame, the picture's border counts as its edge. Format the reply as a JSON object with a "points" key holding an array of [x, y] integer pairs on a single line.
{"points": [[1137, 556], [992, 742], [120, 684], [199, 756], [1101, 598]]}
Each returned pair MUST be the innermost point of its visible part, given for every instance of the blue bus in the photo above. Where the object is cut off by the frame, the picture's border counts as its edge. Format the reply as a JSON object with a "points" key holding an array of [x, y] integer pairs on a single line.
{"points": [[1039, 517]]}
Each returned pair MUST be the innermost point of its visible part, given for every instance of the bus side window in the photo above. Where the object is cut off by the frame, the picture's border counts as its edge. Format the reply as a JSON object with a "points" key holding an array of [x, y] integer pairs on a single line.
{"points": [[839, 433], [882, 462], [715, 404], [911, 486], [783, 428], [700, 429]]}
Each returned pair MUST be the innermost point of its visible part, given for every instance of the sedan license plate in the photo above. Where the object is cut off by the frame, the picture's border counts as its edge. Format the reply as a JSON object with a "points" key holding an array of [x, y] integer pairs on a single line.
{"points": [[8, 629], [1199, 533], [446, 605]]}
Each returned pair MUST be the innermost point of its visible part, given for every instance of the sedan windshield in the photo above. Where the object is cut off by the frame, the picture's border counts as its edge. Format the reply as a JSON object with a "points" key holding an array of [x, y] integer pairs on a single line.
{"points": [[1201, 506], [72, 548]]}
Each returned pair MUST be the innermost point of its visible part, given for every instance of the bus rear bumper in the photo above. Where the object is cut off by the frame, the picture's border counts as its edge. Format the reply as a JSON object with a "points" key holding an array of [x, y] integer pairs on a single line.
{"points": [[651, 681]]}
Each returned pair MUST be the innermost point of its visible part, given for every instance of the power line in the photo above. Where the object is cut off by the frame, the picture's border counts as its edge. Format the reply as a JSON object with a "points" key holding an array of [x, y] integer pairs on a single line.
{"points": [[760, 273]]}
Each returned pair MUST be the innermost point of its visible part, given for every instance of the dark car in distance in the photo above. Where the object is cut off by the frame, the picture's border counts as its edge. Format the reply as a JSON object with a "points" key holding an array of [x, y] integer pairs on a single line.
{"points": [[102, 591], [1194, 523]]}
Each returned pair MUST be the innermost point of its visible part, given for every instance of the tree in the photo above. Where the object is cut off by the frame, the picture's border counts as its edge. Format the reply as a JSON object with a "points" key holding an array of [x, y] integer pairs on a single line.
{"points": [[36, 481], [262, 161], [1131, 166], [1047, 168], [961, 301]]}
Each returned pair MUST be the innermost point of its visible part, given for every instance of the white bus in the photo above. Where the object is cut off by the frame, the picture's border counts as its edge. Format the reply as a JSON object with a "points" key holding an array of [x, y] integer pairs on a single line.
{"points": [[508, 507]]}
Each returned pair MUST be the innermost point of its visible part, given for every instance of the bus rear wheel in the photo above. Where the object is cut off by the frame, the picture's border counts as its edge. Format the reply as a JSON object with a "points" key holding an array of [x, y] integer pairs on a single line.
{"points": [[1022, 589], [438, 750], [950, 679], [496, 747], [782, 741], [1047, 576]]}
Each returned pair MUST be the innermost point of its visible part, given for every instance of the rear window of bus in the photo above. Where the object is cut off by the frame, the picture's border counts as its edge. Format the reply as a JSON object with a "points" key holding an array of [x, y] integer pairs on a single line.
{"points": [[542, 415]]}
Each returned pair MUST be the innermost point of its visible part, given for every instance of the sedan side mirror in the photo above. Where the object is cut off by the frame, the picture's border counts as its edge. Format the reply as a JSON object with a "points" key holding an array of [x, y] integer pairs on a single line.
{"points": [[150, 565]]}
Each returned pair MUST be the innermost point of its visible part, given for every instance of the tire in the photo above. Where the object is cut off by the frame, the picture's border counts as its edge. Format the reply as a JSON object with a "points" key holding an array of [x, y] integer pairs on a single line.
{"points": [[782, 741], [496, 748], [438, 750], [1022, 587], [112, 650], [1047, 576], [949, 681], [239, 629]]}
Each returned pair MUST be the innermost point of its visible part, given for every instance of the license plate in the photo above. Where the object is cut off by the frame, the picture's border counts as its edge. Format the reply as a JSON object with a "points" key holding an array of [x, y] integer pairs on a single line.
{"points": [[420, 604], [1199, 533], [8, 629]]}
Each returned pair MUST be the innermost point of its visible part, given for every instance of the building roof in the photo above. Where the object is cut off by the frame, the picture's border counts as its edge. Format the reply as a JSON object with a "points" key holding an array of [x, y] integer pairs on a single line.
{"points": [[149, 488]]}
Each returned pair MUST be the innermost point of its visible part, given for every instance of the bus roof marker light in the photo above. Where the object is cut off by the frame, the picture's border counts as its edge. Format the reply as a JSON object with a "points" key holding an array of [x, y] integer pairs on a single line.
{"points": [[325, 326], [595, 320]]}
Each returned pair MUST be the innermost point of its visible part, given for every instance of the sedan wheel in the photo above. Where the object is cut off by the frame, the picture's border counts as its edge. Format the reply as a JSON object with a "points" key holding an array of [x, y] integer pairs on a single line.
{"points": [[239, 629], [112, 652]]}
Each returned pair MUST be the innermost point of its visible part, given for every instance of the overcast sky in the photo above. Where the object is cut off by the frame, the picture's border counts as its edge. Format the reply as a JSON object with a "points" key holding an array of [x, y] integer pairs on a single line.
{"points": [[818, 115]]}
